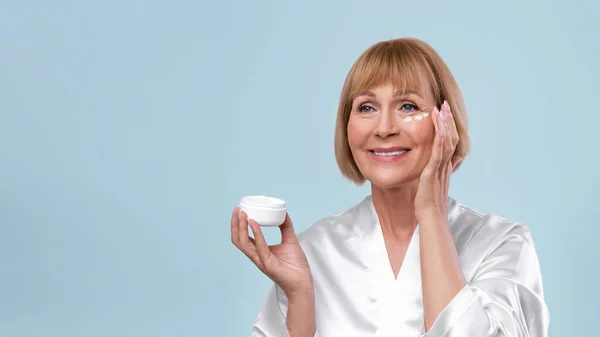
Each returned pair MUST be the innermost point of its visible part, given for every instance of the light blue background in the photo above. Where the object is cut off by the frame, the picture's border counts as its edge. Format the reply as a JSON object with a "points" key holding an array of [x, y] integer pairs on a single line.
{"points": [[129, 130]]}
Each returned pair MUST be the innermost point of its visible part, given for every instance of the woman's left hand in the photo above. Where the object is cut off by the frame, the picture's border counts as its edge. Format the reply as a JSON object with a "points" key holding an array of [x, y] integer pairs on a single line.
{"points": [[432, 193]]}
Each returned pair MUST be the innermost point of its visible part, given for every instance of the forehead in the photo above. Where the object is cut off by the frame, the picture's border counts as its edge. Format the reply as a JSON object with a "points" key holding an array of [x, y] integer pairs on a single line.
{"points": [[395, 92], [405, 78]]}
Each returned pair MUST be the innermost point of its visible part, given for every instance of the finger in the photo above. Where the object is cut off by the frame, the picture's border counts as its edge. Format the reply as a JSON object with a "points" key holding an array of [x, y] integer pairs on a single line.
{"points": [[438, 141], [245, 243], [264, 253], [242, 228], [448, 143], [243, 236], [452, 129], [455, 160], [288, 235], [234, 227]]}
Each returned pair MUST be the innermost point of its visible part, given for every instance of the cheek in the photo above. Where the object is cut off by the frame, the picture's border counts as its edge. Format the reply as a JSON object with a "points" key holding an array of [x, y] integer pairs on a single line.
{"points": [[421, 132], [358, 133]]}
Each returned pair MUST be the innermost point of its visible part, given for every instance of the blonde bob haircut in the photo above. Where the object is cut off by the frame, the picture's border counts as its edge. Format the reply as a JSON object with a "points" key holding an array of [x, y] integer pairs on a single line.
{"points": [[401, 62]]}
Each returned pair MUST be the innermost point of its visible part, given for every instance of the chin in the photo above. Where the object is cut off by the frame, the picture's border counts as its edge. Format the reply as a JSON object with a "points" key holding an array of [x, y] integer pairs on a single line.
{"points": [[389, 180]]}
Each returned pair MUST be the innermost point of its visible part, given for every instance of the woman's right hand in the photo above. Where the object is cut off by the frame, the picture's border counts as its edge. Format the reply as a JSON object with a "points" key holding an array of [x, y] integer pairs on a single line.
{"points": [[284, 263]]}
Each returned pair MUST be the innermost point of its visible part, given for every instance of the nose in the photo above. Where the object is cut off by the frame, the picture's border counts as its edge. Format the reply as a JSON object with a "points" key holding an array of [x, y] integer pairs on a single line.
{"points": [[386, 125]]}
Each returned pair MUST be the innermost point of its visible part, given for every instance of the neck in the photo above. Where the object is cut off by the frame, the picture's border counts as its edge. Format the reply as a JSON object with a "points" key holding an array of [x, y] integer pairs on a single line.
{"points": [[396, 210]]}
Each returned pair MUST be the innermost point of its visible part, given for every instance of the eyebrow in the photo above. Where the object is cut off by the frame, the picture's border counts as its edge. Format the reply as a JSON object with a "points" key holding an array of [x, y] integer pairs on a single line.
{"points": [[397, 93]]}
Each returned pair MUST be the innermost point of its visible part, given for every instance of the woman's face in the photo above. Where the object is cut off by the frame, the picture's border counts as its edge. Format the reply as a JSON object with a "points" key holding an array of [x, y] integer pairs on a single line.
{"points": [[391, 149]]}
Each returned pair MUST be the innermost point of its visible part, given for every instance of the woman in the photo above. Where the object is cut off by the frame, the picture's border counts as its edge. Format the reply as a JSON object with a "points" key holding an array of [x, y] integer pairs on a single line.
{"points": [[407, 260]]}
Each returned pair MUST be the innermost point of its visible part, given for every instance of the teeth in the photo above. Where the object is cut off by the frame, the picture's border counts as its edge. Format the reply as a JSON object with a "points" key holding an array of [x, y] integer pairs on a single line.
{"points": [[395, 153]]}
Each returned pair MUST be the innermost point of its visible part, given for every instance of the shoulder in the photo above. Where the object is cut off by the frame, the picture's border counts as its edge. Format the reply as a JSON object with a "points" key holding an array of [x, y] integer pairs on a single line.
{"points": [[467, 225], [336, 231], [479, 237], [341, 222]]}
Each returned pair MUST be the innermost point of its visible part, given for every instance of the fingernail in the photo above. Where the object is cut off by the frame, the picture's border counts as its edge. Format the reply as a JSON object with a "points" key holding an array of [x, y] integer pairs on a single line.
{"points": [[435, 110]]}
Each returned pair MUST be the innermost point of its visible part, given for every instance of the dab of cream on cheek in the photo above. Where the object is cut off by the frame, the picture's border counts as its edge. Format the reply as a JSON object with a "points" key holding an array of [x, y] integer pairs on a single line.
{"points": [[416, 117]]}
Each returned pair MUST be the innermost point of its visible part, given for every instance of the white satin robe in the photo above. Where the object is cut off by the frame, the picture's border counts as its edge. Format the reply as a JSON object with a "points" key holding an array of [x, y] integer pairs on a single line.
{"points": [[356, 293]]}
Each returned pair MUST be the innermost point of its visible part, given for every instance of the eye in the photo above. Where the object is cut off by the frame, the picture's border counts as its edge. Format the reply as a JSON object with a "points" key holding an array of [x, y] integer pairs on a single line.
{"points": [[365, 108], [409, 107]]}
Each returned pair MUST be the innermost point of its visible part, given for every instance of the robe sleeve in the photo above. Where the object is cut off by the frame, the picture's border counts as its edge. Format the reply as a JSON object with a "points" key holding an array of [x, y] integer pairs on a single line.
{"points": [[271, 320], [503, 299]]}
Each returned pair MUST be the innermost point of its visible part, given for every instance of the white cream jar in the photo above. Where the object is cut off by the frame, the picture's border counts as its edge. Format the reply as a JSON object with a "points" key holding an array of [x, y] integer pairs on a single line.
{"points": [[266, 211]]}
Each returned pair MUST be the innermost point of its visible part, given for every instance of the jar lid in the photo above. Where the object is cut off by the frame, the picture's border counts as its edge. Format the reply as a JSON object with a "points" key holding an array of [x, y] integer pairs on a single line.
{"points": [[262, 201]]}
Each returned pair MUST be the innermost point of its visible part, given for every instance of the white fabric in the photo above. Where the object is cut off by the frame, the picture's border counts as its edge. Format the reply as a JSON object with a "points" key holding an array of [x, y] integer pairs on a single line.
{"points": [[356, 293]]}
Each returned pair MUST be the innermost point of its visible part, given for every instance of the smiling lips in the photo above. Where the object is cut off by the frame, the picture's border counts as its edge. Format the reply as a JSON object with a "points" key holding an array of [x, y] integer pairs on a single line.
{"points": [[389, 154]]}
